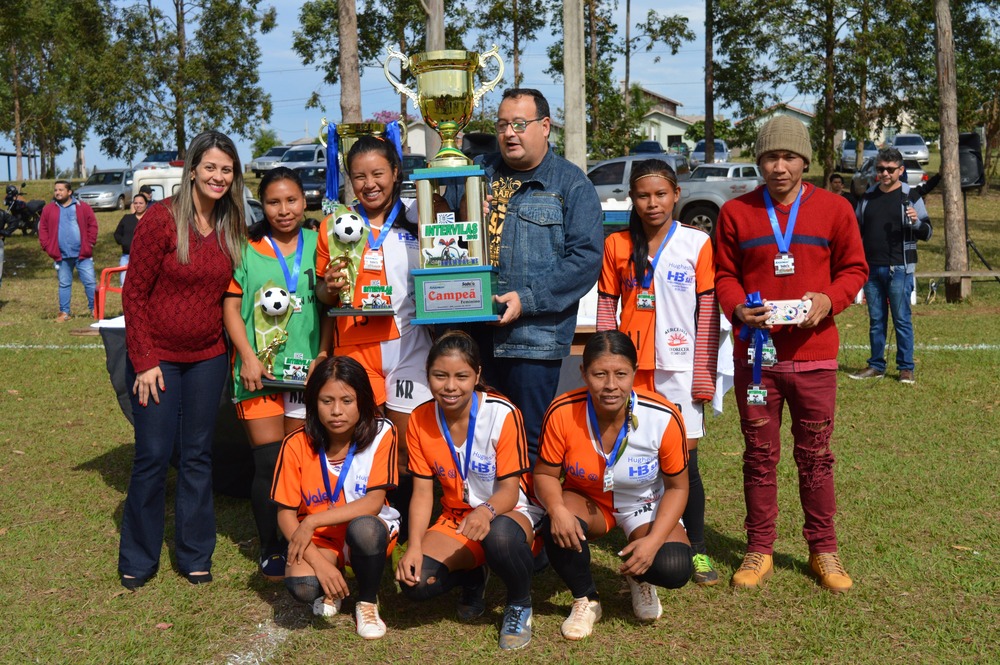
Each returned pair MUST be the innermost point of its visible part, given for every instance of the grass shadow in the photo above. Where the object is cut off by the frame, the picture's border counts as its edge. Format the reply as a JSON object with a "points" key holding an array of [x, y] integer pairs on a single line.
{"points": [[114, 466]]}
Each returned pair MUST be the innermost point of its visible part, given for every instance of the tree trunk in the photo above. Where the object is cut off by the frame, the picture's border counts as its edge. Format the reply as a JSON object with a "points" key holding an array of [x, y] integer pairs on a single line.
{"points": [[859, 154], [516, 41], [595, 100], [80, 163], [17, 113], [435, 25], [956, 252], [628, 55], [350, 74], [830, 38], [180, 130], [575, 128], [709, 82]]}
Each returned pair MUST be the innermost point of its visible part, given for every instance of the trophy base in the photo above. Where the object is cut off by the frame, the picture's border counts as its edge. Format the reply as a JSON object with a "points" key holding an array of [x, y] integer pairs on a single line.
{"points": [[453, 295], [358, 311]]}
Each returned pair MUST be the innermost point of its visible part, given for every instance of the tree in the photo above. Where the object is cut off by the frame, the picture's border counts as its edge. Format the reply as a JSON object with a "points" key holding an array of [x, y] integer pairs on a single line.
{"points": [[177, 75], [264, 140], [723, 130], [507, 22]]}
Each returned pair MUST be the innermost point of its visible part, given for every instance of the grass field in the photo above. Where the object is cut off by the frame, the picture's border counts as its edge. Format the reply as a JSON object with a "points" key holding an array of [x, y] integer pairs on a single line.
{"points": [[918, 478]]}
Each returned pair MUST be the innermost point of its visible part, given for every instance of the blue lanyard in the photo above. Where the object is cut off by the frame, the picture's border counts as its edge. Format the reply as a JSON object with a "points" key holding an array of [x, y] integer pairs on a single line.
{"points": [[291, 278], [374, 245], [784, 241], [759, 335], [463, 472], [647, 277], [335, 494], [622, 439]]}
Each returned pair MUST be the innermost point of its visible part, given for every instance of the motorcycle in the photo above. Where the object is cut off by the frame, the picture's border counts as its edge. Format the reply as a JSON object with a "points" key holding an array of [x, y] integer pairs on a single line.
{"points": [[19, 214]]}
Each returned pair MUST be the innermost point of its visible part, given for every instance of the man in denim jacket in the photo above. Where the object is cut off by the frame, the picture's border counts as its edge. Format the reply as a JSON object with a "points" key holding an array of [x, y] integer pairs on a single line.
{"points": [[546, 237]]}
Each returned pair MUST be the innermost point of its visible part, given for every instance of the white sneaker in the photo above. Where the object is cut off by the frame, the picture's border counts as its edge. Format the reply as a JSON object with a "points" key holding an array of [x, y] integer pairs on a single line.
{"points": [[645, 602], [323, 609], [370, 624], [582, 617]]}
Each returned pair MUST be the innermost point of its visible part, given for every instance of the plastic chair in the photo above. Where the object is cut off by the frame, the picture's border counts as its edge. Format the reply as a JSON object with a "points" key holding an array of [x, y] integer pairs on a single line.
{"points": [[104, 285]]}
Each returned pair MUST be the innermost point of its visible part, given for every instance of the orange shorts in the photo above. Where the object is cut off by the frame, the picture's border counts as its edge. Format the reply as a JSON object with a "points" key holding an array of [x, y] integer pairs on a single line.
{"points": [[447, 525], [263, 406]]}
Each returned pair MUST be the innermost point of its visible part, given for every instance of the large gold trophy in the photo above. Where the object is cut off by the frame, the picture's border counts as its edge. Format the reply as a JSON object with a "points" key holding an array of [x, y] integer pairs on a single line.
{"points": [[454, 282]]}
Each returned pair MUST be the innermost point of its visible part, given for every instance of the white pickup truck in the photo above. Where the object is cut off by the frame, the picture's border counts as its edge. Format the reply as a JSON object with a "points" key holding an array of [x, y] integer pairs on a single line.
{"points": [[711, 185]]}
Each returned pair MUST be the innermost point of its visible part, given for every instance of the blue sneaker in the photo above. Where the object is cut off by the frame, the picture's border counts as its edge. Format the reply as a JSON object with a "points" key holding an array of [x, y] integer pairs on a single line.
{"points": [[273, 567], [515, 630]]}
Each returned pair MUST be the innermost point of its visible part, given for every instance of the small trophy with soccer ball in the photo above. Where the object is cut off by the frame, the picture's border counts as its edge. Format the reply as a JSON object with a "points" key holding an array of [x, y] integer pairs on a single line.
{"points": [[346, 234], [270, 318]]}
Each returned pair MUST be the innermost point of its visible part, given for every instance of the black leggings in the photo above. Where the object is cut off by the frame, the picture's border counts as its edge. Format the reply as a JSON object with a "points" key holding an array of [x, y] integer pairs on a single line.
{"points": [[508, 555], [694, 512], [367, 539], [671, 567]]}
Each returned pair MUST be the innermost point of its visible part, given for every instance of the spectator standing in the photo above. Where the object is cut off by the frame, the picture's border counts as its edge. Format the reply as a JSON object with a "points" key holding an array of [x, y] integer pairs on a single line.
{"points": [[545, 236], [67, 231], [837, 187], [788, 240], [891, 224], [125, 230]]}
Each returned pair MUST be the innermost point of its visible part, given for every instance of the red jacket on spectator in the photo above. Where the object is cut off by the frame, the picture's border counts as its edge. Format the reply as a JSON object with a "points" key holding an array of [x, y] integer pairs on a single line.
{"points": [[48, 230]]}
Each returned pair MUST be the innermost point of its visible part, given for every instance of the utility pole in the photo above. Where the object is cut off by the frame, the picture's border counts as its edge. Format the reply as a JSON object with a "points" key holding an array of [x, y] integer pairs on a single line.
{"points": [[709, 83], [575, 127]]}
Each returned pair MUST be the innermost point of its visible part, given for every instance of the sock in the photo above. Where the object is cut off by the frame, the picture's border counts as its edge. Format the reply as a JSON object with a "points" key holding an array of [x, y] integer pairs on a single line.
{"points": [[694, 512], [265, 513], [509, 556], [672, 567], [400, 500], [441, 581], [304, 589], [367, 539], [572, 566]]}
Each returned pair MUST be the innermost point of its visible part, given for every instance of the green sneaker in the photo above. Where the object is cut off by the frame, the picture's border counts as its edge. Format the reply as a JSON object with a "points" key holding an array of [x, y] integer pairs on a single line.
{"points": [[704, 573]]}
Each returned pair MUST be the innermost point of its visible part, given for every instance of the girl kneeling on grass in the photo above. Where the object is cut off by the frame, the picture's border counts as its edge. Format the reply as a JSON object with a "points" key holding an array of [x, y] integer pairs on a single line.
{"points": [[330, 486], [280, 252], [473, 442], [664, 275], [624, 459]]}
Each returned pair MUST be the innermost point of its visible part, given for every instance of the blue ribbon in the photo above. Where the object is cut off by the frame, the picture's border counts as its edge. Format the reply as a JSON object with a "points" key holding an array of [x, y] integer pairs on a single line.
{"points": [[332, 164], [759, 335], [783, 241], [622, 440], [291, 277], [374, 245], [463, 470], [393, 135], [335, 494], [647, 277]]}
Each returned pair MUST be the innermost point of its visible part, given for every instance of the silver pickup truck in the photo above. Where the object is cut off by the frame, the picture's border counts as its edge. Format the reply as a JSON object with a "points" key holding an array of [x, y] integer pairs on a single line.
{"points": [[711, 185]]}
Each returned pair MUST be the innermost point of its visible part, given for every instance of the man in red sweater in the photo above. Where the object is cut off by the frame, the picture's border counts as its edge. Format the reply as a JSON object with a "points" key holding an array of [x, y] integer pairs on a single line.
{"points": [[788, 240]]}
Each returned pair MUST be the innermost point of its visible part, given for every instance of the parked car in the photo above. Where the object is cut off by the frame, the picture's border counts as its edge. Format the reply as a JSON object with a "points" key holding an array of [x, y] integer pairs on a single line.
{"points": [[304, 155], [157, 160], [721, 152], [410, 163], [268, 160], [107, 189], [709, 187], [313, 184], [912, 146], [653, 147], [849, 152], [610, 177], [865, 177]]}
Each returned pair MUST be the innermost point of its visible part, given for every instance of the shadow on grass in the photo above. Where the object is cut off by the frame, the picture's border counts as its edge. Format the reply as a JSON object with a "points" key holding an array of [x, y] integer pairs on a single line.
{"points": [[26, 260], [729, 552], [114, 466]]}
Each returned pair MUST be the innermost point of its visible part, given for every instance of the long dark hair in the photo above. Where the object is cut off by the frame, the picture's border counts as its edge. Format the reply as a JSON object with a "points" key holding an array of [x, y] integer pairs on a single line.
{"points": [[258, 230], [380, 146], [613, 342], [349, 371], [640, 243], [460, 343]]}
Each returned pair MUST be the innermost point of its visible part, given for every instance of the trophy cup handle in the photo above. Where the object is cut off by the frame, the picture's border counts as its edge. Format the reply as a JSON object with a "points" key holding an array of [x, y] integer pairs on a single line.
{"points": [[322, 131], [489, 85], [400, 88]]}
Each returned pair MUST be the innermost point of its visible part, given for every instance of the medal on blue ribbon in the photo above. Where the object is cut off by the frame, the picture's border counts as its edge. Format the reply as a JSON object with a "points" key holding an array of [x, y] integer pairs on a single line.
{"points": [[462, 468], [756, 392], [621, 442]]}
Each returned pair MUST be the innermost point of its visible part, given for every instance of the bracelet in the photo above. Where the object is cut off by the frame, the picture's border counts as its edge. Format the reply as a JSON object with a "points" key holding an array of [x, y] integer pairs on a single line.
{"points": [[487, 506]]}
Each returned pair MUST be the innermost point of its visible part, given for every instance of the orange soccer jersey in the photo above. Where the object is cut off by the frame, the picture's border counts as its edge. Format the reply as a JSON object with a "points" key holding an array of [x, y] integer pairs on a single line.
{"points": [[662, 336], [499, 450], [298, 477], [657, 444]]}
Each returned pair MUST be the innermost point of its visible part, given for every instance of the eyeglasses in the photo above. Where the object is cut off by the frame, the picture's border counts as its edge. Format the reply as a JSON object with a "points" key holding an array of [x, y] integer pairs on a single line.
{"points": [[886, 169], [518, 125]]}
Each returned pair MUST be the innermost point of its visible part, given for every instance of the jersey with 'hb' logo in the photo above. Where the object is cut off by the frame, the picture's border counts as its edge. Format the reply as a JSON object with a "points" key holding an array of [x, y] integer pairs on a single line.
{"points": [[298, 477], [657, 444], [499, 450], [664, 336]]}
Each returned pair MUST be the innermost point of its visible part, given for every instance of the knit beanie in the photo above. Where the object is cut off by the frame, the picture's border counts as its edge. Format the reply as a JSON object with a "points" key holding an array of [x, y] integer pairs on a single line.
{"points": [[783, 132]]}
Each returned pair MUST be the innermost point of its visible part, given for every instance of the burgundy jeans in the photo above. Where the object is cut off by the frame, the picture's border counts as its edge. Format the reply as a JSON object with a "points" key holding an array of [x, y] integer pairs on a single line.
{"points": [[811, 397]]}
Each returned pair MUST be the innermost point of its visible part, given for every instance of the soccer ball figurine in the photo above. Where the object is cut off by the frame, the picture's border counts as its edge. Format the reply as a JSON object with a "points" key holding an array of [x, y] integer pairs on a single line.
{"points": [[348, 227], [275, 301]]}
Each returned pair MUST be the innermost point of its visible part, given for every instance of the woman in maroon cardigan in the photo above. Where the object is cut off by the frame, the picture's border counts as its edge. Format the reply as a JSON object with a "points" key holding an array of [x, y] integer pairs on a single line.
{"points": [[181, 262]]}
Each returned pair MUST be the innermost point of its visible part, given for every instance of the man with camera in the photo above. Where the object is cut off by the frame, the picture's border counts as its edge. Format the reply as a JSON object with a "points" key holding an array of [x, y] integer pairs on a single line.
{"points": [[891, 223]]}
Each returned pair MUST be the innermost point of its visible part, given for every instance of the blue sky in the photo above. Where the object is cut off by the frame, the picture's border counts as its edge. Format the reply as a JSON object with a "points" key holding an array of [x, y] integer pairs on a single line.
{"points": [[290, 83]]}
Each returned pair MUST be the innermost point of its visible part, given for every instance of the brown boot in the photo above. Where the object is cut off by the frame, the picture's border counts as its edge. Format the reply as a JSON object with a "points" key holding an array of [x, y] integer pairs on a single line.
{"points": [[830, 571], [754, 570]]}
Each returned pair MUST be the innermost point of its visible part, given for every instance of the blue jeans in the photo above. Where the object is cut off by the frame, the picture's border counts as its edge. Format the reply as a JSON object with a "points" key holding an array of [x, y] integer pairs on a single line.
{"points": [[85, 269], [889, 285], [122, 262], [189, 403]]}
